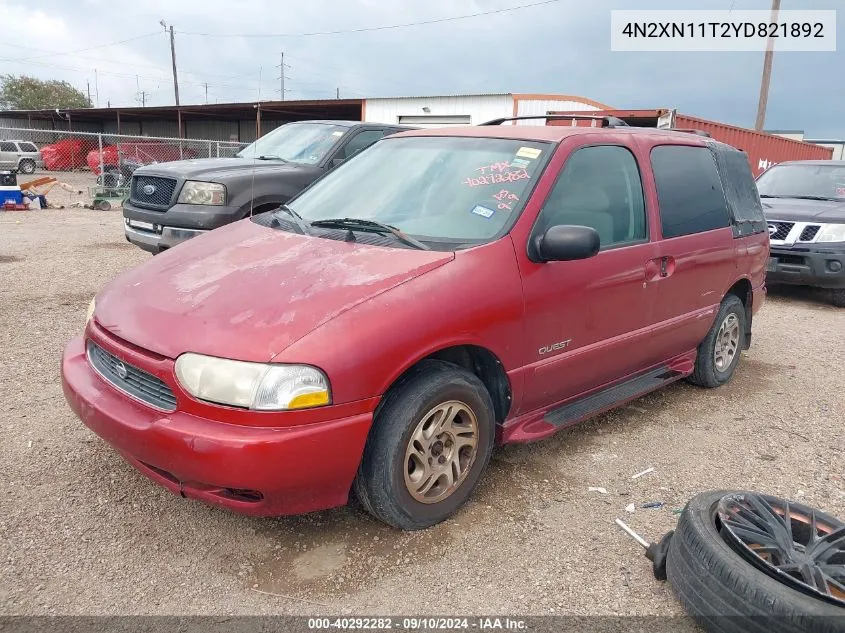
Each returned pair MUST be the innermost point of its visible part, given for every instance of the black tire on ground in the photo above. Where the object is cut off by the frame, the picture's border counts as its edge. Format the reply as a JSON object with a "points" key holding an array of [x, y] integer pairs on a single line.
{"points": [[706, 374], [837, 297], [380, 483], [726, 593], [26, 166]]}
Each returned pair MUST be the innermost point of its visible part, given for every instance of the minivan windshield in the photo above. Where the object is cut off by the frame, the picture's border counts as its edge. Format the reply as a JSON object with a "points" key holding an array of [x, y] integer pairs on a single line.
{"points": [[826, 182], [295, 142], [434, 188]]}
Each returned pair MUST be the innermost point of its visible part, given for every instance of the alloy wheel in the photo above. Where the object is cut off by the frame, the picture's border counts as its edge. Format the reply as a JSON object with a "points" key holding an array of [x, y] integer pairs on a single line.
{"points": [[727, 343], [441, 451]]}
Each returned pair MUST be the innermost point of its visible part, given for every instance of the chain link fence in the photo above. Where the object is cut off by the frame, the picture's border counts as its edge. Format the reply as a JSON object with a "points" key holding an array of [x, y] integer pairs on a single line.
{"points": [[84, 166]]}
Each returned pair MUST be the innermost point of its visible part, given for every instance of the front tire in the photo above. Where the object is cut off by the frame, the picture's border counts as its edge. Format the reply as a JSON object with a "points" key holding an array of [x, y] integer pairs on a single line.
{"points": [[431, 440], [719, 352], [27, 167], [837, 297]]}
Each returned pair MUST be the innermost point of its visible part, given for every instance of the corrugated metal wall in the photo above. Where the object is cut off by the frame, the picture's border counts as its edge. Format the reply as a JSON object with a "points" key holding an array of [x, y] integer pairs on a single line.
{"points": [[837, 147], [479, 108], [211, 129], [764, 150]]}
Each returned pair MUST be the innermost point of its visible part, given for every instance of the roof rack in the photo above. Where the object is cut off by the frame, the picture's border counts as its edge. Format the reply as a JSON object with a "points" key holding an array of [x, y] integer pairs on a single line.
{"points": [[606, 121], [688, 131]]}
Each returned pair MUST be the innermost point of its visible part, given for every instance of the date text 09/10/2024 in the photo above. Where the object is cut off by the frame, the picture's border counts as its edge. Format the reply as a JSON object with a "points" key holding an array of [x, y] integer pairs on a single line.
{"points": [[418, 624]]}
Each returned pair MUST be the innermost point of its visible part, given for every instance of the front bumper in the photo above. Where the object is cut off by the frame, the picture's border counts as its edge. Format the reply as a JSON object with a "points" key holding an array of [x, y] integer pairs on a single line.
{"points": [[818, 266], [176, 224], [256, 470], [155, 241]]}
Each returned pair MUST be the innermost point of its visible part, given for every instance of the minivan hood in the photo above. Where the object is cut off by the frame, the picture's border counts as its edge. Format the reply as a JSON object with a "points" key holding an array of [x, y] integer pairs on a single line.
{"points": [[797, 210], [209, 168], [246, 292]]}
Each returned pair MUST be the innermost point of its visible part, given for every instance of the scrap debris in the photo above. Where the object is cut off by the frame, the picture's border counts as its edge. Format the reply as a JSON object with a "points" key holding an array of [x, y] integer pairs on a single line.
{"points": [[645, 472], [597, 489]]}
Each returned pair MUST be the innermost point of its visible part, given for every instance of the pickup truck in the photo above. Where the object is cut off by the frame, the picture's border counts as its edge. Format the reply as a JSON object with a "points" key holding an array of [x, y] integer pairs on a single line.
{"points": [[171, 202]]}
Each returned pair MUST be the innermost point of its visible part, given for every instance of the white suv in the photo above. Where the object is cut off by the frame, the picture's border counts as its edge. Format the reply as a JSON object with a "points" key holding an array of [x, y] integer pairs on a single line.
{"points": [[21, 155]]}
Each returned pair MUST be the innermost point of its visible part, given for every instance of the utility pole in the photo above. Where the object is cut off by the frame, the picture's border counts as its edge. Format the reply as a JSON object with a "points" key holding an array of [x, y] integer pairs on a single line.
{"points": [[143, 99], [96, 88], [88, 83], [173, 60], [206, 91], [337, 95], [282, 75], [767, 72]]}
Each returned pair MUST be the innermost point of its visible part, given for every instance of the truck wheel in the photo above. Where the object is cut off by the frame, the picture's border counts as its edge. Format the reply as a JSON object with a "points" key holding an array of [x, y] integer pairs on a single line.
{"points": [[27, 166], [719, 352], [432, 438], [837, 297], [739, 565]]}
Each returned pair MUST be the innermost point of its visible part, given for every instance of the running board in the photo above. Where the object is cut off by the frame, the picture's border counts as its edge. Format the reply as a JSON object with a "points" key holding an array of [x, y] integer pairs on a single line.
{"points": [[608, 398]]}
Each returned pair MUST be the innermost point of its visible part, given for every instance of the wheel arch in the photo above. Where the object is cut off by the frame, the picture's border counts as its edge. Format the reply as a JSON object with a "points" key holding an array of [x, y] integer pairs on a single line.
{"points": [[477, 359], [743, 290]]}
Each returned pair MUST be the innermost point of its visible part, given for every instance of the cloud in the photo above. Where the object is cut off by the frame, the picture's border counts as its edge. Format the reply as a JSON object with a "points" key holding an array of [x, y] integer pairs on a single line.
{"points": [[562, 47]]}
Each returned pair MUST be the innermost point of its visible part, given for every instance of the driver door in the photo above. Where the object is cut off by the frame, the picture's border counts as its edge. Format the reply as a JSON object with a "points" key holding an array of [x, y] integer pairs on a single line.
{"points": [[587, 321]]}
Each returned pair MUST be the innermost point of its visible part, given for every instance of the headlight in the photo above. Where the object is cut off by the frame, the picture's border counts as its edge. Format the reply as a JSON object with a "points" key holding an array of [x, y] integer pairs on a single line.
{"points": [[197, 192], [90, 311], [264, 387], [831, 233]]}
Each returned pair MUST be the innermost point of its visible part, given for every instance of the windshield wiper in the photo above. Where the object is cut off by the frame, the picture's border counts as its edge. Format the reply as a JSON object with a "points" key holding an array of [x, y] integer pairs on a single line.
{"points": [[263, 157], [300, 222], [766, 195], [357, 224]]}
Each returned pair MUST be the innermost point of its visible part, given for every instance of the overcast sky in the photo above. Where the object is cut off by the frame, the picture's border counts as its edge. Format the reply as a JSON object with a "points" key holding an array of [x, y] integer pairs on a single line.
{"points": [[562, 47]]}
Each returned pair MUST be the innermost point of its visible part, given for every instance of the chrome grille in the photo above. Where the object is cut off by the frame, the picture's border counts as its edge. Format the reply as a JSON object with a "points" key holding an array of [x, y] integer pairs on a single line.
{"points": [[779, 230], [131, 380], [152, 191], [809, 233]]}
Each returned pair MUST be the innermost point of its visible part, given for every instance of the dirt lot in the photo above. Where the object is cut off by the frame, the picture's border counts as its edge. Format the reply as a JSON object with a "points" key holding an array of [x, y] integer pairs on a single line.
{"points": [[82, 532]]}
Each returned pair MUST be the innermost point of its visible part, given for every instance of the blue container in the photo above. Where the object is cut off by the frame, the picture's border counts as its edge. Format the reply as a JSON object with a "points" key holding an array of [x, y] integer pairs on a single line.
{"points": [[11, 195]]}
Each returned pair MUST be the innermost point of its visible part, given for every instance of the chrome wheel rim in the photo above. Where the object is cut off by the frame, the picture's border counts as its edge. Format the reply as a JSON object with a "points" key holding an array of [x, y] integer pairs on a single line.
{"points": [[789, 541], [727, 343], [441, 452]]}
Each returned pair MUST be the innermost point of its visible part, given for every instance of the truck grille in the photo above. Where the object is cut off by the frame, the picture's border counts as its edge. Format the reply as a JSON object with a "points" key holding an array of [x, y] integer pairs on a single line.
{"points": [[809, 233], [782, 229], [131, 380], [152, 191]]}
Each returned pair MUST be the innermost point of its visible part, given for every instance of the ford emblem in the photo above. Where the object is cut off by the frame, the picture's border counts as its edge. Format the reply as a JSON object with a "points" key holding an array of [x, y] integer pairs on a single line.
{"points": [[120, 370], [149, 189]]}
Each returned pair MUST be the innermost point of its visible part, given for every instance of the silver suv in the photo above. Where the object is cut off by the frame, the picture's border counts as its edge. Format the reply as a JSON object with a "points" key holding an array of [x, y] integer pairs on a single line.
{"points": [[21, 155]]}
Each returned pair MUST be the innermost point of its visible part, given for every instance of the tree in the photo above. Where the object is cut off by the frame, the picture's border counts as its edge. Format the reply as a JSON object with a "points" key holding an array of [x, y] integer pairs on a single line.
{"points": [[29, 93]]}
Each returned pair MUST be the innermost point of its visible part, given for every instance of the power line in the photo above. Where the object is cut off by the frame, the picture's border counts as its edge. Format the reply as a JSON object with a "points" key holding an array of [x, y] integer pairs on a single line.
{"points": [[82, 50], [375, 28]]}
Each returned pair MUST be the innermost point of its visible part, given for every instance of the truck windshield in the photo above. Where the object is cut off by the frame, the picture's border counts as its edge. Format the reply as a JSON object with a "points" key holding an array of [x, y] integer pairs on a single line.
{"points": [[826, 182], [435, 188], [295, 142]]}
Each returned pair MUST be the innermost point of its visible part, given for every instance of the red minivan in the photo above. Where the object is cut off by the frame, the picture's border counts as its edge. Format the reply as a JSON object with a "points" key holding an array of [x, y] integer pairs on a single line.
{"points": [[445, 290]]}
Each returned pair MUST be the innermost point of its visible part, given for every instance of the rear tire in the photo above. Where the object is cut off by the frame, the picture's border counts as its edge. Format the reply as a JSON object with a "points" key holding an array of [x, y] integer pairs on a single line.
{"points": [[719, 352], [837, 297], [398, 460]]}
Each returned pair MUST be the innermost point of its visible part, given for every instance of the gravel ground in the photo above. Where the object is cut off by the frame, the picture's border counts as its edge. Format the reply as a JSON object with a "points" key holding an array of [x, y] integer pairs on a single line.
{"points": [[81, 532]]}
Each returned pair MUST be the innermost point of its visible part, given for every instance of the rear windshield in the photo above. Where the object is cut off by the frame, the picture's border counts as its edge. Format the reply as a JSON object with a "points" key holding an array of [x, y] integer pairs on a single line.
{"points": [[440, 189], [803, 181]]}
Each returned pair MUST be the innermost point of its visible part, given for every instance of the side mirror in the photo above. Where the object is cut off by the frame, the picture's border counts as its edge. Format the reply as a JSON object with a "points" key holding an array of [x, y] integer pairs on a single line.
{"points": [[563, 243], [337, 161]]}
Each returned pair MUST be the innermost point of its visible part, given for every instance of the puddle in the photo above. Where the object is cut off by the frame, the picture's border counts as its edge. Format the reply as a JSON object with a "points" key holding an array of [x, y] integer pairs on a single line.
{"points": [[9, 259]]}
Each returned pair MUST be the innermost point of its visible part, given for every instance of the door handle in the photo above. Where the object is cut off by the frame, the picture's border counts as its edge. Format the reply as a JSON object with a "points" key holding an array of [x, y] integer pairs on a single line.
{"points": [[660, 268], [664, 264]]}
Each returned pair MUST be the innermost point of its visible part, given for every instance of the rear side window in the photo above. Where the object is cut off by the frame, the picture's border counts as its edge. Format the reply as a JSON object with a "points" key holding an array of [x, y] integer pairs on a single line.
{"points": [[689, 190], [28, 147], [8, 147], [361, 141]]}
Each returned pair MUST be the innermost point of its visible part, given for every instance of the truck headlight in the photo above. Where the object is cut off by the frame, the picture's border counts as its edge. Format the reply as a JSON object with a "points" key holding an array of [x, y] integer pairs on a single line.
{"points": [[90, 313], [259, 386], [831, 233], [198, 192]]}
